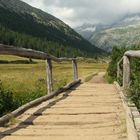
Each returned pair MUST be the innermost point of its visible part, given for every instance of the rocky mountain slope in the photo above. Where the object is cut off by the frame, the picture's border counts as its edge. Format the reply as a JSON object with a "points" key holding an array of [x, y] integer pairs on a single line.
{"points": [[125, 32], [86, 30]]}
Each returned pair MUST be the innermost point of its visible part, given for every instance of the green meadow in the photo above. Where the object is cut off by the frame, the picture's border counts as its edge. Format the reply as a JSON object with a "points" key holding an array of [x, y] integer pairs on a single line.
{"points": [[28, 81]]}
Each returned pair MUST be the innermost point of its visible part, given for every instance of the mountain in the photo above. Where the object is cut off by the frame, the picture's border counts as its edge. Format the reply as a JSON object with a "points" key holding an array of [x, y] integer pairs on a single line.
{"points": [[87, 30], [27, 24], [123, 33]]}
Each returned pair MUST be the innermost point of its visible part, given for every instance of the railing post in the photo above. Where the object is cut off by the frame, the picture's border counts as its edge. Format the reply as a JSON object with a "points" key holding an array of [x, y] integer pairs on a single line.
{"points": [[118, 70], [75, 69], [118, 67], [126, 72], [49, 75]]}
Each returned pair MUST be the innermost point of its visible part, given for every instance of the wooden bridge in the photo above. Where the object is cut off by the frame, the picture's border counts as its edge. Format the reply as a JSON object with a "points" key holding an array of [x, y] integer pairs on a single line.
{"points": [[86, 111]]}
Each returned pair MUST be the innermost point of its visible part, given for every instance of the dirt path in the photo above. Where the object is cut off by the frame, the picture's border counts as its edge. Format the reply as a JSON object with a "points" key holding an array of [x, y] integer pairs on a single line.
{"points": [[98, 78], [92, 111]]}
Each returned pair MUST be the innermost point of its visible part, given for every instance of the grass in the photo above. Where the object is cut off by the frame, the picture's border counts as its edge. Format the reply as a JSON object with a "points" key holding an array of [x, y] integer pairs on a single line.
{"points": [[26, 81], [21, 78]]}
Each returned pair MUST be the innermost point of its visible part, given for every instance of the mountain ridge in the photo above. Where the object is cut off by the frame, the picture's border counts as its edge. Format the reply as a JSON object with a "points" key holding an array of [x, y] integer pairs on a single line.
{"points": [[123, 33], [25, 19]]}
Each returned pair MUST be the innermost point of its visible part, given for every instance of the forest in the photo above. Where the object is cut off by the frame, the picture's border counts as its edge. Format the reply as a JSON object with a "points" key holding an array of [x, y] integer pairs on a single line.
{"points": [[10, 37]]}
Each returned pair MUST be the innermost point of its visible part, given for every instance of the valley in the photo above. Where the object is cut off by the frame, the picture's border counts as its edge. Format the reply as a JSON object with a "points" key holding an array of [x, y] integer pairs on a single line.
{"points": [[24, 26]]}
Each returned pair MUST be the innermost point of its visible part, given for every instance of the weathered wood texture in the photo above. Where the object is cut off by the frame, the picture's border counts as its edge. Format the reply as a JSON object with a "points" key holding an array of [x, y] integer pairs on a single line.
{"points": [[126, 72], [25, 107], [118, 67], [49, 76], [92, 111], [75, 70], [118, 70], [131, 116], [126, 66], [29, 53], [132, 113], [132, 53]]}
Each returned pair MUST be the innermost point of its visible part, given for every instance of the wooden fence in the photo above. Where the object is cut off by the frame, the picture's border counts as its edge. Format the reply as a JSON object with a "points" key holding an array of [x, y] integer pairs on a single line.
{"points": [[125, 60], [29, 53], [132, 113]]}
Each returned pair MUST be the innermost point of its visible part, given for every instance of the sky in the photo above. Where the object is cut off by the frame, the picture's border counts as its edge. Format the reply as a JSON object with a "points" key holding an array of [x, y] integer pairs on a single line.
{"points": [[78, 12]]}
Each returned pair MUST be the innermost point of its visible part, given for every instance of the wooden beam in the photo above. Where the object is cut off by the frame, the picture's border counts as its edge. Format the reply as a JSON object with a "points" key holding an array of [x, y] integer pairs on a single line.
{"points": [[22, 109], [118, 70], [126, 72], [132, 53], [22, 52], [131, 119], [66, 59], [49, 76], [118, 67], [75, 70], [29, 53]]}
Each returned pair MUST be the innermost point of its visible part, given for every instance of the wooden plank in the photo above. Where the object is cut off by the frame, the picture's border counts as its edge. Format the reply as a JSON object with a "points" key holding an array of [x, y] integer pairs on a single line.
{"points": [[66, 59], [75, 70], [126, 72], [98, 122], [22, 109], [131, 129], [29, 53], [118, 67], [132, 53], [118, 70], [49, 76], [22, 52]]}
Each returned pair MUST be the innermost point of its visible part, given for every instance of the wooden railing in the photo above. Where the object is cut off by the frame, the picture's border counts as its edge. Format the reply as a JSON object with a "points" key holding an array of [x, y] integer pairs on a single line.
{"points": [[125, 60], [132, 112], [29, 53]]}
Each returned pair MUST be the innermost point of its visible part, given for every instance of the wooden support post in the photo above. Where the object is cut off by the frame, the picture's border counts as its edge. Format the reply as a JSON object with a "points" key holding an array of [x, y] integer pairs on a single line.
{"points": [[118, 67], [118, 70], [126, 72], [75, 70], [49, 76]]}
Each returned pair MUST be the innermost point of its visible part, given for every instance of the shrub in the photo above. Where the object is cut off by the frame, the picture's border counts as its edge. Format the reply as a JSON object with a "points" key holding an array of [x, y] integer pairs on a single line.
{"points": [[6, 100], [10, 102], [117, 54], [134, 90]]}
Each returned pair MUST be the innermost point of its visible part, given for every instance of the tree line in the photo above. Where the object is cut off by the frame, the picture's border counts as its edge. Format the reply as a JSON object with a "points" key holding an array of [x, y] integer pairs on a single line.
{"points": [[10, 37]]}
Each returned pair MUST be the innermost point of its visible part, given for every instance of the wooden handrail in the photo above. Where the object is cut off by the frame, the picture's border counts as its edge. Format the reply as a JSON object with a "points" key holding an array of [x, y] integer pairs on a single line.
{"points": [[126, 72], [126, 66], [29, 53], [118, 67], [131, 53], [25, 107]]}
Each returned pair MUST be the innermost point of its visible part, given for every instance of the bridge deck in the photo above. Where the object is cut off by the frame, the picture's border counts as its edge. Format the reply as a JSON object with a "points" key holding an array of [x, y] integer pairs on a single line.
{"points": [[92, 111]]}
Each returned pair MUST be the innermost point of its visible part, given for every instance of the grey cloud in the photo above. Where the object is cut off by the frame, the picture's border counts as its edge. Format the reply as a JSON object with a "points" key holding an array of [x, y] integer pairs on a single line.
{"points": [[75, 12]]}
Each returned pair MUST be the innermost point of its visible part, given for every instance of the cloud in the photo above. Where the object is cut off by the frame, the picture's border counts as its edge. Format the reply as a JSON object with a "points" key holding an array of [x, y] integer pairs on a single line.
{"points": [[77, 12], [35, 3]]}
